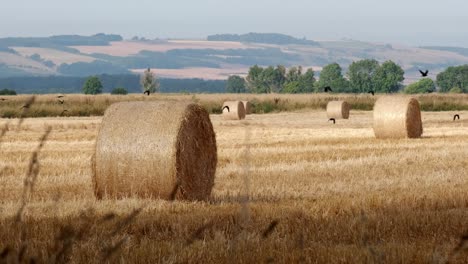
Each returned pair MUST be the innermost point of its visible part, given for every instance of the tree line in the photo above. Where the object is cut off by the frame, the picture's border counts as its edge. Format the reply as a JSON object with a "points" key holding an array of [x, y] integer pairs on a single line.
{"points": [[362, 76]]}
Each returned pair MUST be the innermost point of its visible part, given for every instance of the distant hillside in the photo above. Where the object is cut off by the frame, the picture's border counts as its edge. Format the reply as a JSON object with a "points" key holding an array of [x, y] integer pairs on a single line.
{"points": [[461, 51], [60, 41], [265, 38]]}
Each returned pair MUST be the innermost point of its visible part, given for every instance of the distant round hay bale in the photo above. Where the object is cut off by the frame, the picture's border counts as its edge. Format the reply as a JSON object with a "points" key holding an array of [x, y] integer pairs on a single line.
{"points": [[247, 107], [338, 109], [397, 117], [236, 110], [155, 150]]}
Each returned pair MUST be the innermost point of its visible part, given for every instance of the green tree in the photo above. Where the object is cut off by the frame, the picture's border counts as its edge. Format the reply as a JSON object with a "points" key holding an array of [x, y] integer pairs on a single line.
{"points": [[254, 80], [307, 81], [7, 92], [424, 85], [331, 75], [92, 85], [453, 77], [361, 75], [149, 82], [388, 78], [235, 84], [119, 90]]}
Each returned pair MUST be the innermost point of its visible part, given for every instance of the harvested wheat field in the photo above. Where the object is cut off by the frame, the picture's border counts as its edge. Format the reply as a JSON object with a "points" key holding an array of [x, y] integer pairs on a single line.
{"points": [[289, 188]]}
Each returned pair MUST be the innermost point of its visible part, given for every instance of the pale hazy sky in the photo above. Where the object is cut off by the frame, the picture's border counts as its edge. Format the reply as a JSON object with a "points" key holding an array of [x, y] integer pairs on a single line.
{"points": [[414, 22]]}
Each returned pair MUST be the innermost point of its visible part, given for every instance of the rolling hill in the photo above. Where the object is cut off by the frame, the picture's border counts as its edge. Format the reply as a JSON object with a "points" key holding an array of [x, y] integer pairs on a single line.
{"points": [[217, 57]]}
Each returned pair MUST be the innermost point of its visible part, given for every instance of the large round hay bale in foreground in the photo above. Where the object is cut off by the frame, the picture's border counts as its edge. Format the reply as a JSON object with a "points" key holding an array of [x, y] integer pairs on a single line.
{"points": [[338, 109], [397, 117], [155, 149], [247, 107], [233, 110]]}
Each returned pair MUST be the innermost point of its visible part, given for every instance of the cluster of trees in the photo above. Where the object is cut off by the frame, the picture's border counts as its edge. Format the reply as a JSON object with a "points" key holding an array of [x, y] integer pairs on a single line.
{"points": [[361, 77], [453, 79], [7, 92], [148, 81]]}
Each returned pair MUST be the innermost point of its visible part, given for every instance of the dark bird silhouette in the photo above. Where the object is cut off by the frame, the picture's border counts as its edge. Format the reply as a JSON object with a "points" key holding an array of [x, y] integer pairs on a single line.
{"points": [[61, 101], [3, 99], [424, 74], [147, 92], [225, 107], [457, 116], [60, 96], [328, 89], [332, 119], [371, 92]]}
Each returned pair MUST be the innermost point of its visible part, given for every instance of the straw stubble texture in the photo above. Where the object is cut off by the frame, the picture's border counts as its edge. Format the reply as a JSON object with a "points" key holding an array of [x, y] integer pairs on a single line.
{"points": [[397, 117], [145, 149], [236, 110], [338, 109]]}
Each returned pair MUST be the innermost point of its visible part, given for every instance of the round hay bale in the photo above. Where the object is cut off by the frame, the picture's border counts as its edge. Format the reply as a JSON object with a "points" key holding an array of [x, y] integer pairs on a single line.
{"points": [[247, 107], [397, 117], [155, 149], [338, 109], [236, 110]]}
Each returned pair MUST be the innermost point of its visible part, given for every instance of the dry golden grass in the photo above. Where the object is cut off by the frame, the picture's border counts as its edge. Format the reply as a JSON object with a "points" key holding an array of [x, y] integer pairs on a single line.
{"points": [[337, 194]]}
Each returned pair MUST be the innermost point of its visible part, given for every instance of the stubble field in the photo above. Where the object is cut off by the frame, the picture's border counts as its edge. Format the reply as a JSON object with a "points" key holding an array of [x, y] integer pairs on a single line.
{"points": [[290, 187]]}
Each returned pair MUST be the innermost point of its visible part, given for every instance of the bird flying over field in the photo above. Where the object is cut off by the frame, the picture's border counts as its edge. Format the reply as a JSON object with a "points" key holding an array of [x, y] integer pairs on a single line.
{"points": [[225, 107], [60, 96], [424, 74], [147, 92], [371, 92], [332, 119], [457, 116], [327, 89]]}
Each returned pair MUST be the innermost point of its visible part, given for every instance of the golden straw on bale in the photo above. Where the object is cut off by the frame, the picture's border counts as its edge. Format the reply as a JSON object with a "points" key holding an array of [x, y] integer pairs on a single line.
{"points": [[155, 149], [397, 117], [236, 110], [338, 109], [247, 107]]}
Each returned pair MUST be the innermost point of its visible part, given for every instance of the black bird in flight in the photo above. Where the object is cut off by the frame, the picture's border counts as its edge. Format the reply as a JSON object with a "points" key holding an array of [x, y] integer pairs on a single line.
{"points": [[457, 116], [227, 107], [60, 96], [371, 92], [332, 119], [424, 74], [328, 89], [147, 92]]}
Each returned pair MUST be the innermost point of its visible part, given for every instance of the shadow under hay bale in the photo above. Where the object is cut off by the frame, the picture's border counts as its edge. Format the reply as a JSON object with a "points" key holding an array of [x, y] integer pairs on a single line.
{"points": [[145, 149], [338, 109], [397, 117], [234, 111]]}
